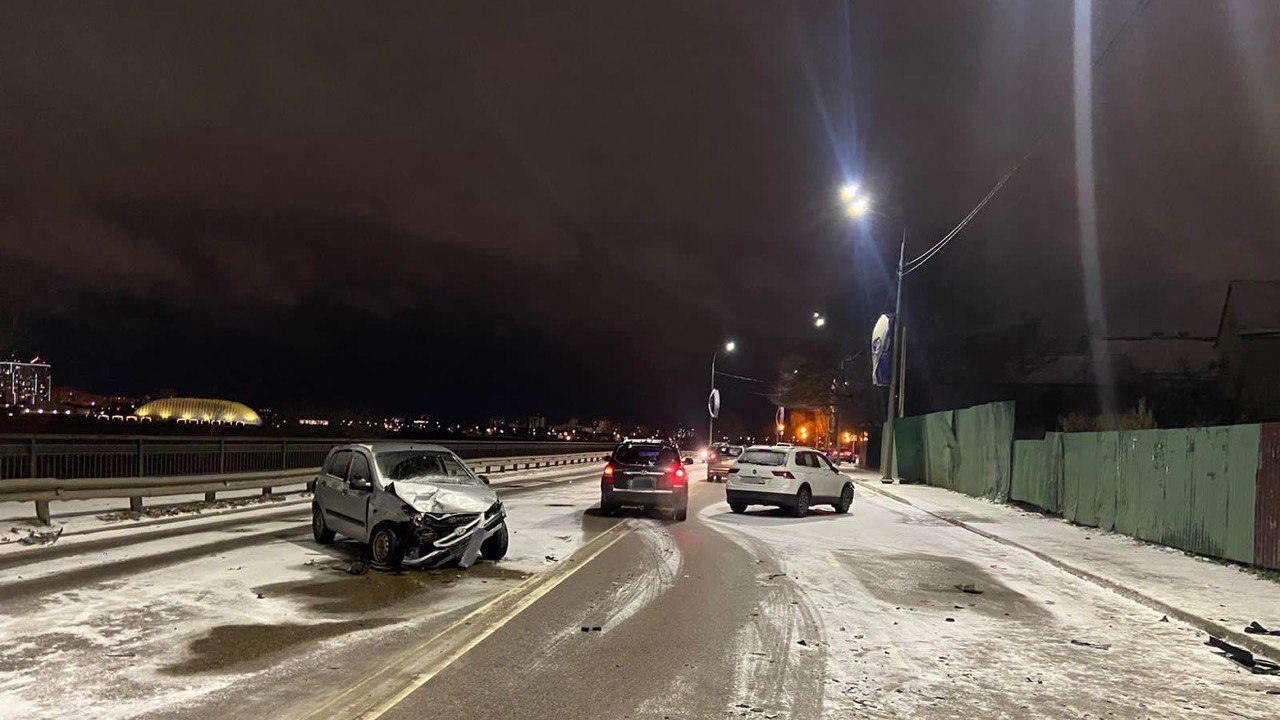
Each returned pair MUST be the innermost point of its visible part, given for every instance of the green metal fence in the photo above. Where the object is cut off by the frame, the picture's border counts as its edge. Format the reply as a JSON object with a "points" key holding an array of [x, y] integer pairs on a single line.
{"points": [[1192, 488], [1213, 491], [967, 450]]}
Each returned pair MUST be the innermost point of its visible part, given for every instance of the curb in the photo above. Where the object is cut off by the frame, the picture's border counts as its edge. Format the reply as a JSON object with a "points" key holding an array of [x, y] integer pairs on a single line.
{"points": [[1239, 638]]}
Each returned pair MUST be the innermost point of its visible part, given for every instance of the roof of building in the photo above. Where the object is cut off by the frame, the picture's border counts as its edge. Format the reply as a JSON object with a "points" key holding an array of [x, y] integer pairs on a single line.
{"points": [[1255, 306], [199, 410]]}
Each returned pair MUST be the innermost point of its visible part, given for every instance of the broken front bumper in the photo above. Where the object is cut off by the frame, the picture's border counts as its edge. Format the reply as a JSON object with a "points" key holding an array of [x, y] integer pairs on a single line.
{"points": [[445, 538]]}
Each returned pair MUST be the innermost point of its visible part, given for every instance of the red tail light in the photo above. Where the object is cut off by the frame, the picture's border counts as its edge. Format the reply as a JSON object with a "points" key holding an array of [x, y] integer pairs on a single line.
{"points": [[784, 474], [608, 474], [677, 476]]}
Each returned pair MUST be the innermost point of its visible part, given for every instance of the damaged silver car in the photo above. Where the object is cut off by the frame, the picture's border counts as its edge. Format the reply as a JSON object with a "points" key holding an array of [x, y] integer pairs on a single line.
{"points": [[414, 504]]}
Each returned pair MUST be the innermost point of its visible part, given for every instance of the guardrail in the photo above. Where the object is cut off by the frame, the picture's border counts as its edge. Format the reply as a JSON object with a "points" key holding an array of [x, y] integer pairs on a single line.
{"points": [[43, 490], [102, 456]]}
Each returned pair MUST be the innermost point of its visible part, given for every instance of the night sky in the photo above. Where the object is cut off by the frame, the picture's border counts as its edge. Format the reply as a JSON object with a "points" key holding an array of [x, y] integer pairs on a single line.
{"points": [[564, 207]]}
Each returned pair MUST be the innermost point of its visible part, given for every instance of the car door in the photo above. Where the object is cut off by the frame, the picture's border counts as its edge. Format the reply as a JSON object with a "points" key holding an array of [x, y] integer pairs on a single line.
{"points": [[353, 502], [331, 485], [832, 476], [815, 472]]}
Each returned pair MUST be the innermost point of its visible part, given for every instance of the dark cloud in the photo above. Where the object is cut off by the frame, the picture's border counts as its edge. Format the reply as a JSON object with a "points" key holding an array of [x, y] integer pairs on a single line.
{"points": [[563, 207]]}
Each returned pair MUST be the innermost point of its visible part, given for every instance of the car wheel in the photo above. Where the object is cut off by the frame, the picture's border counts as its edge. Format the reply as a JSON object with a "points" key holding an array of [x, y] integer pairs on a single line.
{"points": [[609, 509], [384, 547], [495, 547], [803, 498], [319, 530], [738, 508], [680, 513], [846, 499]]}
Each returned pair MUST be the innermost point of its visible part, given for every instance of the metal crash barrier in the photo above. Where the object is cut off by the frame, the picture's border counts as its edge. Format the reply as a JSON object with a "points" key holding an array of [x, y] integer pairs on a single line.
{"points": [[43, 490]]}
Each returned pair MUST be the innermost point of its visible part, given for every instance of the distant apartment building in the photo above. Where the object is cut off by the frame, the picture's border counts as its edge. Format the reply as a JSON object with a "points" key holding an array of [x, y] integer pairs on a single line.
{"points": [[25, 384], [537, 422]]}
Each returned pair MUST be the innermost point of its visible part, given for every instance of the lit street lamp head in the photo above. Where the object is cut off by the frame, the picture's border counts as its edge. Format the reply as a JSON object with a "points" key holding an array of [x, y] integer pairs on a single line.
{"points": [[730, 346], [856, 203]]}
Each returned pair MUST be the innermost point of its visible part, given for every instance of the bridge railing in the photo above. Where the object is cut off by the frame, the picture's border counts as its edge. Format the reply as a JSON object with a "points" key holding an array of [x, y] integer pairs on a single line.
{"points": [[43, 490], [114, 456]]}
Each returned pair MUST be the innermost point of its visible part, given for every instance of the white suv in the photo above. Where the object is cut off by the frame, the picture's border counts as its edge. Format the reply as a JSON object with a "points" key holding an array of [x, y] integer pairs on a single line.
{"points": [[787, 477]]}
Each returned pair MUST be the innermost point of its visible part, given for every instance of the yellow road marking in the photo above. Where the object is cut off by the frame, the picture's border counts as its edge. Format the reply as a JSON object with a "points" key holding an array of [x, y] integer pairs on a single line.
{"points": [[494, 615]]}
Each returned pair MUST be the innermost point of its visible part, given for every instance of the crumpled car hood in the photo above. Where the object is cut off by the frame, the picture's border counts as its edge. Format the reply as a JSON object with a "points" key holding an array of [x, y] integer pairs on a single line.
{"points": [[445, 498]]}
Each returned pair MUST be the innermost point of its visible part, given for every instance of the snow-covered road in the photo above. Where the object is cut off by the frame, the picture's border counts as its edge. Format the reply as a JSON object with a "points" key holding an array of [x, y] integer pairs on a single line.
{"points": [[169, 619], [906, 615], [889, 611]]}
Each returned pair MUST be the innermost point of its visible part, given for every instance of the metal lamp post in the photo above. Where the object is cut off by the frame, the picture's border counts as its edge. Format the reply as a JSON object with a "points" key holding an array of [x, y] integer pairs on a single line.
{"points": [[711, 426]]}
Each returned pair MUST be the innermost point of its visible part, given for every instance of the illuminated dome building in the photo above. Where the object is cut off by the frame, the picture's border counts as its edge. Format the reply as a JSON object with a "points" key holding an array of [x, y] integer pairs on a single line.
{"points": [[197, 410]]}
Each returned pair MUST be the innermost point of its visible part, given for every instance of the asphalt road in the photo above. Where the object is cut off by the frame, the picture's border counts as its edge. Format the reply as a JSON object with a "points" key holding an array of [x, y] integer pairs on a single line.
{"points": [[885, 612]]}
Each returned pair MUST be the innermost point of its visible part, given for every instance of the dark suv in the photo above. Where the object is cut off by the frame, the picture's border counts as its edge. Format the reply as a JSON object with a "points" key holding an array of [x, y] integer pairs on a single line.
{"points": [[645, 473]]}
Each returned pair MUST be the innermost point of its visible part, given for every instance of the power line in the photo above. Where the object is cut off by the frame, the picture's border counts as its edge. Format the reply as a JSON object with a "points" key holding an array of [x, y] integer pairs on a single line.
{"points": [[1097, 61]]}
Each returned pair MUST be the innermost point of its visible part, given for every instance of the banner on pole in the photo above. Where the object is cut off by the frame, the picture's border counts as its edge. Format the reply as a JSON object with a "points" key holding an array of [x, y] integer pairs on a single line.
{"points": [[882, 350]]}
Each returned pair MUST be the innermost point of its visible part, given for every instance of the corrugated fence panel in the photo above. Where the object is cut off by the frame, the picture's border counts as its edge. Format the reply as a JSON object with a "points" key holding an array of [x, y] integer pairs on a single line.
{"points": [[1076, 465], [908, 446], [941, 449], [1266, 524], [1209, 488], [1177, 529], [984, 434], [1128, 481], [1242, 476], [1107, 480], [1030, 471]]}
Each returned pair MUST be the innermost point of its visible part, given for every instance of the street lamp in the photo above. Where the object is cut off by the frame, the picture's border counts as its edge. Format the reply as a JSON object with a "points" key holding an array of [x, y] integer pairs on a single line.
{"points": [[858, 204], [711, 427], [819, 320]]}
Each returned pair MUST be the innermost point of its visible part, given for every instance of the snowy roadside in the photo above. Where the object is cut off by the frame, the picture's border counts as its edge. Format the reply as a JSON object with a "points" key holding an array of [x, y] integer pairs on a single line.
{"points": [[879, 598], [1215, 592], [222, 611]]}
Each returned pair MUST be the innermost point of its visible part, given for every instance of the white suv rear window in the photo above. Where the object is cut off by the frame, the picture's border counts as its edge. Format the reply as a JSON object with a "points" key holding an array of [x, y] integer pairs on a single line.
{"points": [[763, 457]]}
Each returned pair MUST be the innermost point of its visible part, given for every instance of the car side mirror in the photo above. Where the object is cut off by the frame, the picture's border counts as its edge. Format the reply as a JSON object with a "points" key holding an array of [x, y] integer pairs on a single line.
{"points": [[359, 484], [688, 461], [484, 479]]}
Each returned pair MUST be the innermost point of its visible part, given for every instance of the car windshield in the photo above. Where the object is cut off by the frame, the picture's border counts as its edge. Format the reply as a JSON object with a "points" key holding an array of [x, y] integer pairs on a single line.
{"points": [[418, 465], [763, 457], [732, 451], [640, 454]]}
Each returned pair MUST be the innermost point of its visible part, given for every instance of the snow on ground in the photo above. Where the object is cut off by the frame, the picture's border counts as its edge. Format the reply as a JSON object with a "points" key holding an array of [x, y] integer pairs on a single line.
{"points": [[1217, 591], [890, 634], [198, 615]]}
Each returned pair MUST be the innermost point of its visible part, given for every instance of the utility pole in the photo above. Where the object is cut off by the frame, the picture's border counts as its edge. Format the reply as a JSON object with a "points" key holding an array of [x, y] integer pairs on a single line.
{"points": [[886, 475]]}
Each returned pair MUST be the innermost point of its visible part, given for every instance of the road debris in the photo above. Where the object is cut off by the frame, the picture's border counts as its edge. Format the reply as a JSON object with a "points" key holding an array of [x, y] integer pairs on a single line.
{"points": [[1243, 657], [1086, 643], [969, 588], [357, 568], [1256, 629], [41, 537], [551, 558]]}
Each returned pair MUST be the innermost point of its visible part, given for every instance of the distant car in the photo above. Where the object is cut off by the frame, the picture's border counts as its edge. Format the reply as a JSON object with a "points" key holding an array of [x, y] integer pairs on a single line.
{"points": [[414, 504], [719, 459], [648, 474], [795, 478], [840, 455]]}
